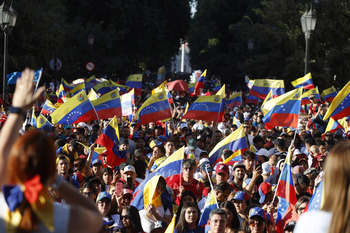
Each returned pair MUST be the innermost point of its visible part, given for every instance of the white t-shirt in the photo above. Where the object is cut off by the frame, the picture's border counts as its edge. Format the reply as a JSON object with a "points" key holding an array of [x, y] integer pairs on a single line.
{"points": [[61, 215], [313, 222], [148, 221]]}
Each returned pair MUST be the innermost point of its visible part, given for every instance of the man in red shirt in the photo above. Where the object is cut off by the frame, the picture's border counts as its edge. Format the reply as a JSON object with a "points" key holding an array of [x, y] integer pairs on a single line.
{"points": [[186, 182]]}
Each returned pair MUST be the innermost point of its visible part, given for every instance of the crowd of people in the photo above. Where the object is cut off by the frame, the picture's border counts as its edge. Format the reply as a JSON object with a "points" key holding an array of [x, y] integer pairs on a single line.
{"points": [[51, 180]]}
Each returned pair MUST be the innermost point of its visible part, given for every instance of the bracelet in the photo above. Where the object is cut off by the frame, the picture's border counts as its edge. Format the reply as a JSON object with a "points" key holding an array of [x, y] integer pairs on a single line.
{"points": [[18, 111], [58, 182]]}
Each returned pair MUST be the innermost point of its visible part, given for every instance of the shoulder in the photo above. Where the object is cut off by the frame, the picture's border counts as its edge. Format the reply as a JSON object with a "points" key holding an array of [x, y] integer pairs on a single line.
{"points": [[315, 221]]}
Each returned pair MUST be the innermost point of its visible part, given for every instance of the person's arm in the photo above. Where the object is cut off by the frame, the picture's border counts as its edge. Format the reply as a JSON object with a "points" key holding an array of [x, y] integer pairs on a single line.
{"points": [[23, 99], [88, 161]]}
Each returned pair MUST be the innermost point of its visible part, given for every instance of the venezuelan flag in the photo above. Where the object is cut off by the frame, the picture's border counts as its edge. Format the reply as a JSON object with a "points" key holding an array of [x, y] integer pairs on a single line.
{"points": [[208, 108], [268, 97], [235, 141], [48, 108], [67, 87], [160, 88], [91, 82], [340, 106], [305, 82], [127, 102], [217, 86], [236, 122], [234, 155], [108, 105], [198, 89], [155, 108], [305, 97], [122, 89], [102, 87], [61, 93], [210, 204], [317, 200], [283, 110], [191, 87], [262, 87], [135, 81], [93, 95], [234, 100], [252, 99], [41, 122], [76, 109], [329, 94], [79, 87], [333, 126], [110, 135], [33, 119], [97, 152]]}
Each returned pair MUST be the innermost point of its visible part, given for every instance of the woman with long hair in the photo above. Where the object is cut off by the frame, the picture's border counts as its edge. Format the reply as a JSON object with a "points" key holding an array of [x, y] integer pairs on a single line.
{"points": [[131, 219], [189, 219], [27, 169], [334, 216], [233, 224]]}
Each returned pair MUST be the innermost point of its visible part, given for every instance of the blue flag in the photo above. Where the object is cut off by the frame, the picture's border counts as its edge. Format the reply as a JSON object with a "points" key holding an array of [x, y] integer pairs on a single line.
{"points": [[12, 77]]}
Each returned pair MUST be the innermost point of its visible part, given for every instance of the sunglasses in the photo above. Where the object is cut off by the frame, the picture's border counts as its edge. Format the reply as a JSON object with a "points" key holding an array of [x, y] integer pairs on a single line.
{"points": [[256, 223], [123, 217]]}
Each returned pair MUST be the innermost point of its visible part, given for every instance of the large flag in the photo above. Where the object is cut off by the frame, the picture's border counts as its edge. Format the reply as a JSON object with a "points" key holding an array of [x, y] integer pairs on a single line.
{"points": [[283, 110], [155, 108], [234, 100], [122, 89], [168, 169], [108, 105], [110, 135], [340, 106], [79, 87], [252, 99], [262, 87], [235, 141], [304, 82], [333, 126], [160, 88], [76, 109], [48, 108], [210, 204], [135, 81], [317, 200], [91, 82], [128, 101], [287, 197], [305, 97], [198, 89], [329, 94], [208, 108], [103, 87], [12, 77]]}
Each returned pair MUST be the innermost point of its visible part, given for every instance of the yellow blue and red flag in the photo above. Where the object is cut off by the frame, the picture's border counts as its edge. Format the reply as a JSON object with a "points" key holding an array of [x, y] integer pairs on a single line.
{"points": [[93, 95], [67, 87], [217, 86], [191, 88], [235, 141], [61, 93], [198, 89], [234, 100], [304, 82], [208, 108], [103, 87], [262, 87], [284, 110], [317, 200], [340, 106], [135, 81], [210, 204], [91, 82], [122, 88], [286, 195], [108, 105], [305, 97], [329, 94], [333, 126], [79, 87], [42, 122], [268, 97], [48, 108], [155, 108], [110, 135], [74, 110], [233, 156], [252, 99], [127, 102]]}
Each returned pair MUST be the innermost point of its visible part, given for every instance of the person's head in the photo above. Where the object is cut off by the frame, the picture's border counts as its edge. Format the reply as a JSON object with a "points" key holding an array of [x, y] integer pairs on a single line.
{"points": [[239, 171], [217, 220], [189, 216], [222, 173], [62, 165], [222, 191], [130, 218], [89, 191], [124, 145], [337, 186], [248, 160], [257, 220], [97, 167], [32, 154], [302, 184], [232, 218], [187, 196], [158, 151], [241, 201], [206, 169], [169, 147], [104, 203], [188, 169], [129, 171], [266, 193], [301, 204], [107, 175]]}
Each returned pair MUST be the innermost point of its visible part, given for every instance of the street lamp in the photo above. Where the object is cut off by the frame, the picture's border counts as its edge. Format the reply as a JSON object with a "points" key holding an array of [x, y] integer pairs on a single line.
{"points": [[308, 23], [8, 18]]}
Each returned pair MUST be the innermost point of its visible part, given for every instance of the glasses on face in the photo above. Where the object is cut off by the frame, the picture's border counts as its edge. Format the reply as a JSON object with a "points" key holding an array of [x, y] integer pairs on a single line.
{"points": [[255, 223], [87, 194], [123, 216]]}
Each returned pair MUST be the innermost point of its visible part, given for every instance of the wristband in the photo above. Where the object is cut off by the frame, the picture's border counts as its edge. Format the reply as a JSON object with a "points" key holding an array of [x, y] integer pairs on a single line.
{"points": [[19, 111], [58, 182]]}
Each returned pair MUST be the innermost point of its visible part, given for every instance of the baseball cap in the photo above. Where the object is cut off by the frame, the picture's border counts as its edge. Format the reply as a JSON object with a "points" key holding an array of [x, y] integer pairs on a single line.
{"points": [[129, 168], [96, 161], [263, 152], [102, 195], [192, 144], [221, 167], [241, 196], [122, 166], [264, 188], [238, 164], [257, 211], [273, 151], [206, 166]]}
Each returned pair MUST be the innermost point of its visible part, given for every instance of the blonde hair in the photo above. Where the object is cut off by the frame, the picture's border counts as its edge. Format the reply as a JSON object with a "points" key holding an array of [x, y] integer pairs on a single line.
{"points": [[337, 187]]}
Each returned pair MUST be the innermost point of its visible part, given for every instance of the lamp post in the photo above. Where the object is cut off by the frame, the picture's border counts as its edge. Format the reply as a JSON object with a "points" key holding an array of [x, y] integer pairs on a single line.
{"points": [[8, 18], [308, 23]]}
